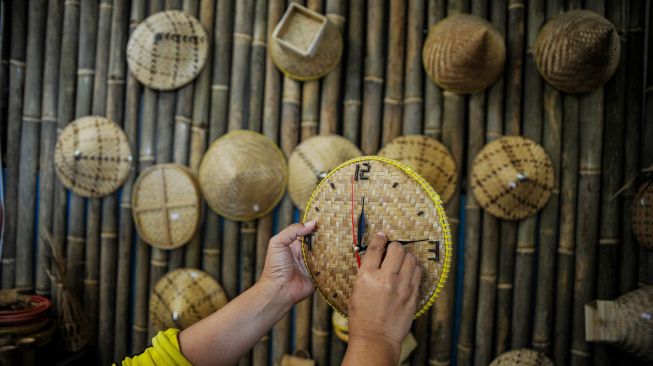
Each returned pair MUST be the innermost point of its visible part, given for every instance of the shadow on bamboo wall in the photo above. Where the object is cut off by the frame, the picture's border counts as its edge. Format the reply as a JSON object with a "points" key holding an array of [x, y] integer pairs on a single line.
{"points": [[515, 284]]}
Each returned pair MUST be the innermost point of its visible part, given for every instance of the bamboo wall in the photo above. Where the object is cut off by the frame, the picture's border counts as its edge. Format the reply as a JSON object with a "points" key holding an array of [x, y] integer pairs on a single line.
{"points": [[515, 284]]}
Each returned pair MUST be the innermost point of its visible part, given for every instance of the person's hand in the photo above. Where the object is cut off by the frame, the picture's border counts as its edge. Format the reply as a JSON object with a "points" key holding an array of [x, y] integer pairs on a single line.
{"points": [[384, 298], [284, 265]]}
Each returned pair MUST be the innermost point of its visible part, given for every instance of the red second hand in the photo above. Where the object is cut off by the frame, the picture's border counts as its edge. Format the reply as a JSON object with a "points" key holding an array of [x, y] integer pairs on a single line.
{"points": [[353, 224]]}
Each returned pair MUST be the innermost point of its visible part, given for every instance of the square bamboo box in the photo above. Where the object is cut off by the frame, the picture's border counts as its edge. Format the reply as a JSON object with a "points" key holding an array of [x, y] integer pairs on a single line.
{"points": [[300, 30]]}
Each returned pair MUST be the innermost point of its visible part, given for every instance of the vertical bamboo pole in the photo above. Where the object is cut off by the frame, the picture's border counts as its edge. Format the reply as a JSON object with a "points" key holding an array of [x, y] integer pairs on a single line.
{"points": [[414, 74], [48, 140], [373, 80], [646, 256], [352, 102], [29, 148], [330, 102], [14, 114], [126, 231], [432, 93], [393, 99], [257, 66], [311, 94]]}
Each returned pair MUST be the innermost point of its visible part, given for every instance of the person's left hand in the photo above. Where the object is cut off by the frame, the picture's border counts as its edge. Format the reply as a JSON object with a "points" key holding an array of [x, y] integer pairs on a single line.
{"points": [[284, 265]]}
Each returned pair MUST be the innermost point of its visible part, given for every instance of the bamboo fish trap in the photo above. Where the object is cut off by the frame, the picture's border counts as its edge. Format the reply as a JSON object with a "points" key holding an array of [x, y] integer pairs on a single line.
{"points": [[642, 215], [525, 357]]}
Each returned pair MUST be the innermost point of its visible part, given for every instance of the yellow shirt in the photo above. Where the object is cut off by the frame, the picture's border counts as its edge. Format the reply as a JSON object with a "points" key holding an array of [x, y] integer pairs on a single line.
{"points": [[164, 351]]}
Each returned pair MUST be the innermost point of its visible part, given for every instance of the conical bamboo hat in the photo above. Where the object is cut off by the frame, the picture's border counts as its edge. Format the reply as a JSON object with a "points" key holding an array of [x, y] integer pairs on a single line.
{"points": [[464, 53], [243, 175], [577, 51], [525, 357], [642, 215]]}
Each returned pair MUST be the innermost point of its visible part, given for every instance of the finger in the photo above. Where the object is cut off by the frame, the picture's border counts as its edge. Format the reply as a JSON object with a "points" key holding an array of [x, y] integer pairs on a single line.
{"points": [[296, 250], [374, 251], [416, 281], [288, 235], [393, 258], [407, 269]]}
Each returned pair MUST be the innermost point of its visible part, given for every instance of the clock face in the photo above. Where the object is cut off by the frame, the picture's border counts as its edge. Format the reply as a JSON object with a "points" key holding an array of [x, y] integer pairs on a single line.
{"points": [[356, 200]]}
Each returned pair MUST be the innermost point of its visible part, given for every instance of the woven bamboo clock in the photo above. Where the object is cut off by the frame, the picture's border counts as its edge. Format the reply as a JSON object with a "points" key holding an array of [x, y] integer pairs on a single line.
{"points": [[359, 198]]}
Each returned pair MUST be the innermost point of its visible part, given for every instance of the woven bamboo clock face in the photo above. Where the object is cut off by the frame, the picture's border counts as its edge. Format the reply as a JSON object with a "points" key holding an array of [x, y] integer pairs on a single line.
{"points": [[361, 197]]}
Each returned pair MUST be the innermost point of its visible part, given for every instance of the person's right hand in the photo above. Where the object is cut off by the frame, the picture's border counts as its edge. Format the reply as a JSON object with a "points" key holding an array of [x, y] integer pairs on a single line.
{"points": [[384, 298]]}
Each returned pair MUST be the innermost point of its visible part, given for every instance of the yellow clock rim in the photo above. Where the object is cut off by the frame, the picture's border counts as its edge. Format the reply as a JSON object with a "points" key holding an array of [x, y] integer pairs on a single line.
{"points": [[435, 198]]}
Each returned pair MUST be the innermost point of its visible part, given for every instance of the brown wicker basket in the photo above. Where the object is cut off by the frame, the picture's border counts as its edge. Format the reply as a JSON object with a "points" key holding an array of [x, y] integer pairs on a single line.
{"points": [[166, 205], [626, 323], [430, 158], [92, 156], [183, 297], [167, 50], [577, 51], [522, 357], [642, 215], [512, 177], [361, 197], [243, 175], [312, 160], [464, 53]]}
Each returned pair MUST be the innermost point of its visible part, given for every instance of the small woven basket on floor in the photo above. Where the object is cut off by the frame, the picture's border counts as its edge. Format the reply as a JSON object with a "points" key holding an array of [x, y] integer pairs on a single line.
{"points": [[522, 357], [642, 214]]}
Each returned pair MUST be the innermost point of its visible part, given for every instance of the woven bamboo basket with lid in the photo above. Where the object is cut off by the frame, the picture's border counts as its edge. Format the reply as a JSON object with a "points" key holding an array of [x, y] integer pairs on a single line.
{"points": [[243, 175], [642, 215], [167, 50], [430, 158], [361, 197], [183, 297], [312, 160], [166, 205], [305, 45], [512, 177], [577, 51], [524, 356], [626, 323], [92, 156], [464, 53]]}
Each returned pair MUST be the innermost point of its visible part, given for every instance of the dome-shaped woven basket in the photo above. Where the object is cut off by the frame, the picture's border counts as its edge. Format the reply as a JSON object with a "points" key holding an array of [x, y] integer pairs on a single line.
{"points": [[361, 197], [243, 175], [92, 156], [512, 177], [522, 357], [305, 45], [167, 50], [183, 297], [626, 323], [642, 215], [464, 53], [577, 51], [429, 158], [312, 160], [166, 205]]}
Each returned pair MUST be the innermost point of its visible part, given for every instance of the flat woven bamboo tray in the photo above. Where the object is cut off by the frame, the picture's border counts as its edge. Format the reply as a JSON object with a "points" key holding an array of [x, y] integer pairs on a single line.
{"points": [[166, 205], [167, 50], [183, 297], [642, 215], [243, 175], [312, 160], [394, 199], [92, 156], [522, 357], [512, 177], [577, 51], [428, 157], [305, 45], [464, 53]]}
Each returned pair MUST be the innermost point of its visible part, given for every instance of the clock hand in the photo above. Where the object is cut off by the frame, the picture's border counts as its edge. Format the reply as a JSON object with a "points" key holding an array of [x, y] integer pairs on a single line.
{"points": [[361, 223], [408, 241], [353, 226]]}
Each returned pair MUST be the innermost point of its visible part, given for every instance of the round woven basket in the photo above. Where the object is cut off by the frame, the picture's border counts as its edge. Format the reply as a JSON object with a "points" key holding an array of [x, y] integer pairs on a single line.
{"points": [[512, 177], [642, 215], [464, 53], [167, 50], [394, 199], [522, 357], [243, 175], [166, 205], [429, 158], [92, 156], [312, 160], [577, 51], [183, 297], [17, 309]]}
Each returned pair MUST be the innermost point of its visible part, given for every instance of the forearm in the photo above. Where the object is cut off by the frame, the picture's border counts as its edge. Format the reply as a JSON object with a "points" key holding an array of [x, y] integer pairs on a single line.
{"points": [[368, 351], [227, 335]]}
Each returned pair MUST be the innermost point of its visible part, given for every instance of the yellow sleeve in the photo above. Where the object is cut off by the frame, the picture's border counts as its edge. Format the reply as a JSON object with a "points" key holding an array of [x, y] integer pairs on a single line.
{"points": [[164, 351]]}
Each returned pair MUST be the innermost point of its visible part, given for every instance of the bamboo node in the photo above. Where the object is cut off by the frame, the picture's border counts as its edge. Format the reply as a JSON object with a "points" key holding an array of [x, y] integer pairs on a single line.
{"points": [[108, 235], [581, 353], [49, 119], [247, 230], [463, 347], [8, 261], [106, 6], [220, 87], [515, 5], [504, 286], [243, 36], [309, 123], [182, 119], [211, 251], [565, 251], [125, 205], [608, 241], [85, 72], [392, 101], [75, 239], [291, 100], [158, 263], [259, 43], [527, 249], [146, 158], [319, 332], [439, 363], [265, 338], [374, 79], [349, 102], [589, 171], [91, 282], [71, 2], [31, 119], [116, 81], [487, 277], [138, 328], [410, 100], [17, 63]]}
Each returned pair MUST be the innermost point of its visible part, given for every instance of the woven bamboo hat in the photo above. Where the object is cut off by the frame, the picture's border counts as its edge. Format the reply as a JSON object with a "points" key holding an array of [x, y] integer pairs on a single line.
{"points": [[243, 175], [92, 156], [512, 177], [642, 215], [429, 158], [183, 297], [577, 51], [167, 50], [525, 357], [312, 160], [305, 45], [166, 205], [464, 53]]}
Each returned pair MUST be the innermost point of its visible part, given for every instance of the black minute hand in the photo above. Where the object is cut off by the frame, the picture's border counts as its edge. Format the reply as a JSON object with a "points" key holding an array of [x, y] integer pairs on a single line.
{"points": [[361, 224]]}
